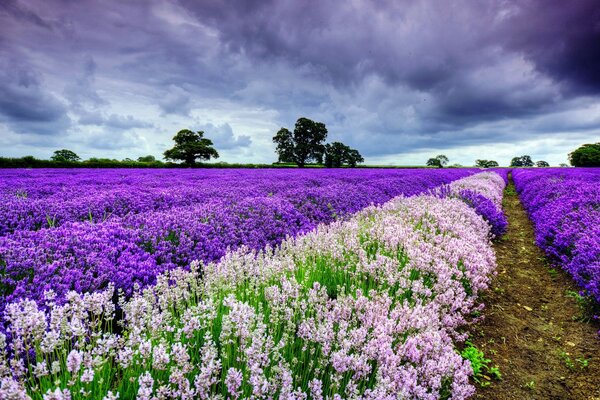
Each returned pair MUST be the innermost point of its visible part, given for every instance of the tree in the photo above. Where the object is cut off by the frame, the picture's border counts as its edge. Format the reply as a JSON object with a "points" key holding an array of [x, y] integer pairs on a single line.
{"points": [[338, 154], [434, 162], [285, 145], [563, 165], [486, 163], [588, 155], [438, 161], [443, 159], [354, 157], [65, 155], [523, 161], [541, 164], [308, 141], [190, 146], [304, 145], [147, 159]]}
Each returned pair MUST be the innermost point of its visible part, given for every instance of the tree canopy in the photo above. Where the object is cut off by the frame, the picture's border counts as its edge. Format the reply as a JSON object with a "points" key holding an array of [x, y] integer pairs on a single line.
{"points": [[304, 145], [190, 146], [148, 159], [438, 161], [285, 146], [541, 164], [65, 155], [486, 163], [338, 154], [523, 161], [588, 155]]}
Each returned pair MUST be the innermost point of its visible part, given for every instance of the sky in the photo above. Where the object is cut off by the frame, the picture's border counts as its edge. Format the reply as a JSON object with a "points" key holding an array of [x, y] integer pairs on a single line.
{"points": [[401, 81]]}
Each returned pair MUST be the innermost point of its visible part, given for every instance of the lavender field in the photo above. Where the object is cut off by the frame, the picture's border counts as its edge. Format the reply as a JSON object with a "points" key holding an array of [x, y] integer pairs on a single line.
{"points": [[243, 283], [84, 229], [564, 206]]}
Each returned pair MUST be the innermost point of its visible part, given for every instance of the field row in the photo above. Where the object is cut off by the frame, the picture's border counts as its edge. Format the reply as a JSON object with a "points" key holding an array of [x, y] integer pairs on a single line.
{"points": [[368, 307], [30, 200], [207, 213], [564, 206]]}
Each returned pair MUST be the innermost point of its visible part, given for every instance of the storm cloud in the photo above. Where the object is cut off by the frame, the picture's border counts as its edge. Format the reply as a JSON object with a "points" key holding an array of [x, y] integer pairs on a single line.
{"points": [[396, 79]]}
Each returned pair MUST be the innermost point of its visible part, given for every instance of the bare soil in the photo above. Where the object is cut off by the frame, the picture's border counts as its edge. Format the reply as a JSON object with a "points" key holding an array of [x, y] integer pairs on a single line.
{"points": [[533, 328]]}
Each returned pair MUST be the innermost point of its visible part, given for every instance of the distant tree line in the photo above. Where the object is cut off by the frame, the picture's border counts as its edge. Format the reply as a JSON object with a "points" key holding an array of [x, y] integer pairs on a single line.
{"points": [[33, 162], [526, 161], [307, 145], [442, 160], [486, 163]]}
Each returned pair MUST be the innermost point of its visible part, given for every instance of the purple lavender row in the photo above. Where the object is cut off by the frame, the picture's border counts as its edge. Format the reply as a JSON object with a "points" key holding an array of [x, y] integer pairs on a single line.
{"points": [[135, 248], [564, 206], [31, 200]]}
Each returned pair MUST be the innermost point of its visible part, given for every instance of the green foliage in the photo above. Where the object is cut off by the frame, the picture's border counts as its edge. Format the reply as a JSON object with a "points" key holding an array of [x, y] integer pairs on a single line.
{"points": [[285, 145], [486, 163], [65, 155], [588, 155], [308, 141], [530, 385], [304, 145], [567, 359], [587, 307], [541, 164], [338, 154], [147, 159], [190, 146], [523, 161], [480, 364], [434, 162], [438, 161]]}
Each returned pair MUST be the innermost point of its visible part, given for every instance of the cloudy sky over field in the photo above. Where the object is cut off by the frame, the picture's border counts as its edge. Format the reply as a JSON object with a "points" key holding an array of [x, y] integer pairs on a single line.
{"points": [[399, 80]]}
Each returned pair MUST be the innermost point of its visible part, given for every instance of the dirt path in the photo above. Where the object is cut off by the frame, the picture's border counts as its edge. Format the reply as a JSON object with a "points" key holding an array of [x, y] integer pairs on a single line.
{"points": [[531, 328]]}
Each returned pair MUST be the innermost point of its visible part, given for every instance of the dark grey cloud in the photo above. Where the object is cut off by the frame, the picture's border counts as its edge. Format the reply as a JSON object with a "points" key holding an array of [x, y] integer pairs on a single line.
{"points": [[23, 13], [424, 46], [26, 105], [81, 89], [387, 77], [561, 38]]}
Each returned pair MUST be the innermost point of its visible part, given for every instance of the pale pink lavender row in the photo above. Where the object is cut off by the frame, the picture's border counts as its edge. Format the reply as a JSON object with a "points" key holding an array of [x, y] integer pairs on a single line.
{"points": [[564, 205], [146, 222], [482, 192]]}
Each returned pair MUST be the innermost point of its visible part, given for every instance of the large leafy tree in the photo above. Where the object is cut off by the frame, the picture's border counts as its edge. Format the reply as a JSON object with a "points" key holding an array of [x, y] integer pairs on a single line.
{"points": [[285, 145], [338, 154], [588, 155], [190, 146], [523, 161], [438, 161], [304, 145], [542, 164], [65, 155], [353, 157]]}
